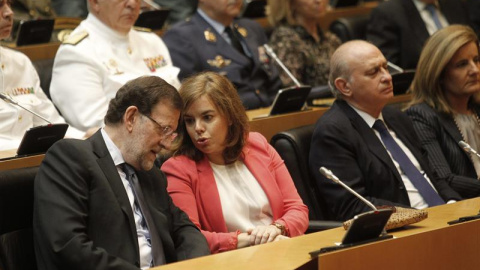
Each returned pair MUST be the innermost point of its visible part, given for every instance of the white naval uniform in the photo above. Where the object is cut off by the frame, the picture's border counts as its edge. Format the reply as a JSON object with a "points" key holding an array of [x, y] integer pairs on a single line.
{"points": [[86, 76], [19, 80]]}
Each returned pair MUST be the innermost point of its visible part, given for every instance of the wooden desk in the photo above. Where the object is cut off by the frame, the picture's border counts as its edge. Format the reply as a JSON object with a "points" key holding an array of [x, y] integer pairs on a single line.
{"points": [[429, 244], [270, 126], [332, 15], [16, 163]]}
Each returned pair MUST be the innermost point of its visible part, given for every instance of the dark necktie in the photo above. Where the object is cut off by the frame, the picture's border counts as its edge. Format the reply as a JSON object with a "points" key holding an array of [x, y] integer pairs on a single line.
{"points": [[234, 39], [157, 247], [421, 184], [432, 9]]}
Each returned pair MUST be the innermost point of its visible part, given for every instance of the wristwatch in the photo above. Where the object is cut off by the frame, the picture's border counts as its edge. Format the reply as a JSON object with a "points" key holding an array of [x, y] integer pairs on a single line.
{"points": [[279, 226]]}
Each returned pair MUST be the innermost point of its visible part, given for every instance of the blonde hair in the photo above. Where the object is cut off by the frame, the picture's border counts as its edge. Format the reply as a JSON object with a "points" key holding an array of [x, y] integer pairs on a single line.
{"points": [[280, 10], [436, 54]]}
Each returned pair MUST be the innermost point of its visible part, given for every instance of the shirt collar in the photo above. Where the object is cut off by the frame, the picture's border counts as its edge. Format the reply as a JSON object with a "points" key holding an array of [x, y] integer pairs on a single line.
{"points": [[370, 120], [421, 5], [220, 28], [112, 149], [104, 29]]}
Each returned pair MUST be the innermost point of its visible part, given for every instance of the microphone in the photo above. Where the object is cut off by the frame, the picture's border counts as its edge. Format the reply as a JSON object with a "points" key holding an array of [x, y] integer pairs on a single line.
{"points": [[7, 99], [328, 174], [152, 4], [272, 54], [467, 148], [394, 67]]}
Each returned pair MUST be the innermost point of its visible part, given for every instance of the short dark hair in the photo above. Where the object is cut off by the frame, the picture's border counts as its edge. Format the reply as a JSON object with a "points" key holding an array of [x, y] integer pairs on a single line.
{"points": [[224, 96], [144, 93]]}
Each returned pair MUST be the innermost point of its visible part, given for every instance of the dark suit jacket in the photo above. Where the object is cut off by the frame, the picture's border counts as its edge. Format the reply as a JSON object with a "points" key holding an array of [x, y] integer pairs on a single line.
{"points": [[257, 82], [83, 218], [398, 30], [440, 136], [344, 143]]}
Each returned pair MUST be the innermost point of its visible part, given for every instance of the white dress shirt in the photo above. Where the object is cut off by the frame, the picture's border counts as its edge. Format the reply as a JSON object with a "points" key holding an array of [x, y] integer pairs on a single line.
{"points": [[244, 203], [19, 80], [416, 200], [142, 233], [427, 17]]}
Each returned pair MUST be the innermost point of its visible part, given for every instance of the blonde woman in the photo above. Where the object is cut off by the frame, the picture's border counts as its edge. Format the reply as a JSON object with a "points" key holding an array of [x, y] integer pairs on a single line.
{"points": [[299, 41], [442, 109]]}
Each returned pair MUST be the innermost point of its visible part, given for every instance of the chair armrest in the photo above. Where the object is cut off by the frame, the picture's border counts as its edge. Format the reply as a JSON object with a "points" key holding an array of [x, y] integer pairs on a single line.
{"points": [[318, 92]]}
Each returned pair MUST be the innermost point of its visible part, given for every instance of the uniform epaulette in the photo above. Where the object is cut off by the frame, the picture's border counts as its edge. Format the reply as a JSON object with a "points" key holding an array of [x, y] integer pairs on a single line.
{"points": [[76, 38], [142, 29]]}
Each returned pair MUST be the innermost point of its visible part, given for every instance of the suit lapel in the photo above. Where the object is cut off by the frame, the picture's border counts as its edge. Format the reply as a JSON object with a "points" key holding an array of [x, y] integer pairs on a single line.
{"points": [[416, 22], [106, 164], [263, 176], [398, 126], [449, 125], [368, 135]]}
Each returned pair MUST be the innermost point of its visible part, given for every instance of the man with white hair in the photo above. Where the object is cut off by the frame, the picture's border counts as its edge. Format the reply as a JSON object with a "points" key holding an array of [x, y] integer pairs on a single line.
{"points": [[102, 54]]}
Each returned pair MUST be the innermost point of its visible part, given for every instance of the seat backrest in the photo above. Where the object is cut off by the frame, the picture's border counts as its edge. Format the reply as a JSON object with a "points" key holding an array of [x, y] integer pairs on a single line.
{"points": [[44, 69], [349, 28], [293, 146], [402, 81], [16, 218]]}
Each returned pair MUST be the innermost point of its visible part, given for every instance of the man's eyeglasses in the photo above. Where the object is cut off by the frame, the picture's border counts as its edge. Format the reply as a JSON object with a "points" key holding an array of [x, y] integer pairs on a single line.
{"points": [[165, 131]]}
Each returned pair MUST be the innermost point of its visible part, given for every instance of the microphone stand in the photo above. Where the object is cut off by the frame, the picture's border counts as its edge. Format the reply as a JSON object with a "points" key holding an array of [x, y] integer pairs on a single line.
{"points": [[272, 54], [467, 148], [7, 99], [329, 175]]}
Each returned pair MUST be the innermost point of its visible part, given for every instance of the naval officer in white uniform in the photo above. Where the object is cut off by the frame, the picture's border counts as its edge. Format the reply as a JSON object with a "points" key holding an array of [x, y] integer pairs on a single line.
{"points": [[102, 54], [19, 80]]}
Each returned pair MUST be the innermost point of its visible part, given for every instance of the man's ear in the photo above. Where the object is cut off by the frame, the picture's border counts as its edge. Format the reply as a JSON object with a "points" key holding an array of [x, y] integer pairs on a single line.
{"points": [[343, 86], [129, 117], [94, 6]]}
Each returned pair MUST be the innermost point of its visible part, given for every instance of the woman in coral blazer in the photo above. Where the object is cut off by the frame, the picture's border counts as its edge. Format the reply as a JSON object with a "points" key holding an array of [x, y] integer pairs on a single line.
{"points": [[232, 184]]}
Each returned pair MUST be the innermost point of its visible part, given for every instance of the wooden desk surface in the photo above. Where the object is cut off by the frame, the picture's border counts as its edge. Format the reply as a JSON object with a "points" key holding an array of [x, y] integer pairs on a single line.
{"points": [[15, 163], [430, 237], [270, 126]]}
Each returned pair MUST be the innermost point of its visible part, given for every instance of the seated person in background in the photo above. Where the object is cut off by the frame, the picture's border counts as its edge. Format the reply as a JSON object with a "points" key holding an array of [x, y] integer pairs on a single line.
{"points": [[372, 148], [20, 82], [101, 55], [101, 204], [473, 7], [179, 9], [70, 8], [231, 182], [299, 41], [442, 108], [214, 40], [399, 28]]}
